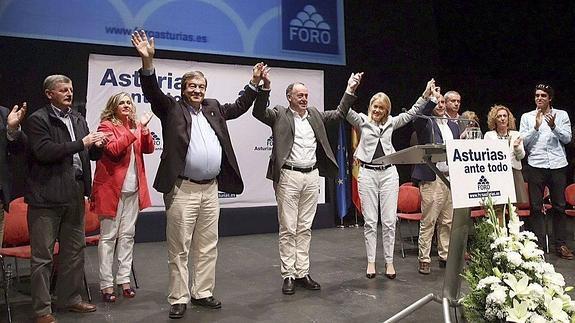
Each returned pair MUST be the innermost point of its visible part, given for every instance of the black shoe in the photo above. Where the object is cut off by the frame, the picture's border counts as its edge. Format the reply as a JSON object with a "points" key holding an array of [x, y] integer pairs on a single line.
{"points": [[442, 263], [209, 302], [177, 311], [288, 286], [307, 283]]}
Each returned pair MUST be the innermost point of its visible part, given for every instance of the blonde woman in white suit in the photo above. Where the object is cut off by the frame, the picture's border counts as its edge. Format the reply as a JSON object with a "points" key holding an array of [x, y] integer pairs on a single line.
{"points": [[379, 184]]}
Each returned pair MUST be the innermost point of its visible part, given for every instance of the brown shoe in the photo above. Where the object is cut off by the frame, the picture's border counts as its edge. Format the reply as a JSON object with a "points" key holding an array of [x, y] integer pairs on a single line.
{"points": [[564, 252], [82, 307], [47, 318], [424, 268]]}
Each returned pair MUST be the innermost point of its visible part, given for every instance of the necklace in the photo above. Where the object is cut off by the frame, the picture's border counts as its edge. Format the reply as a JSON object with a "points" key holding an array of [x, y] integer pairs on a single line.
{"points": [[506, 136]]}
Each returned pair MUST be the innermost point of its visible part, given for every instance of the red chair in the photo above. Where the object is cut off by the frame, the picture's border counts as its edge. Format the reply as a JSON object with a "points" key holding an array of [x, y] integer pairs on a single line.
{"points": [[570, 199], [408, 209], [16, 242]]}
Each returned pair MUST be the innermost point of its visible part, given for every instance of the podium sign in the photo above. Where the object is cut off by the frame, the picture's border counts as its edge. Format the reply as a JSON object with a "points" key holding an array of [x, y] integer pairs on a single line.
{"points": [[478, 169]]}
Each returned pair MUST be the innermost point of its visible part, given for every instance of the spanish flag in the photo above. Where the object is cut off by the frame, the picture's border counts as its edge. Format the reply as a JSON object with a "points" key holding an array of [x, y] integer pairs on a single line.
{"points": [[355, 171]]}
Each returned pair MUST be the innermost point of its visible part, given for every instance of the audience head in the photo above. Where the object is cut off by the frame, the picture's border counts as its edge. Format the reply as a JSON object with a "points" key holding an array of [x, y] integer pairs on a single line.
{"points": [[471, 116], [120, 109], [452, 103], [59, 90], [500, 117], [297, 94], [194, 85], [379, 107], [543, 96]]}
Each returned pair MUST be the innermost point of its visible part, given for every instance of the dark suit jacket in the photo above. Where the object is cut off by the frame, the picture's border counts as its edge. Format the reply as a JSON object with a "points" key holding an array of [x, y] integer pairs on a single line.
{"points": [[281, 120], [422, 172], [176, 128], [7, 151], [51, 179]]}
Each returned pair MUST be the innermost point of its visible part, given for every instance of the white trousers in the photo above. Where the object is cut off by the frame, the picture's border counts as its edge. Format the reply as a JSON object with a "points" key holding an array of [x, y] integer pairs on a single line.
{"points": [[379, 189], [436, 207], [117, 235], [296, 195], [192, 212]]}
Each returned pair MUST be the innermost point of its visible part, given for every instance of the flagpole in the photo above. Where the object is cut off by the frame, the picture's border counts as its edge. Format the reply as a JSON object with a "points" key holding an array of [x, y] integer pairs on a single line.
{"points": [[356, 224]]}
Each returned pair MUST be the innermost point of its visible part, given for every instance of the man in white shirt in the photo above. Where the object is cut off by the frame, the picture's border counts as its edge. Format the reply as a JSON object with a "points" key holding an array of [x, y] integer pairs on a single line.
{"points": [[301, 153], [545, 133]]}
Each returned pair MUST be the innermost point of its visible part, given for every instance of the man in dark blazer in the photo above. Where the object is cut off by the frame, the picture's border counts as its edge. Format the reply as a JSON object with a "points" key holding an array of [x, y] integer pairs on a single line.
{"points": [[436, 203], [59, 178], [11, 141], [300, 154], [197, 160]]}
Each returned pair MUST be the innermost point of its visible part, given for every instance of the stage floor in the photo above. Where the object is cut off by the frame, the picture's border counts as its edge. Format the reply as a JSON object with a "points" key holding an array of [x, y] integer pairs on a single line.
{"points": [[248, 283]]}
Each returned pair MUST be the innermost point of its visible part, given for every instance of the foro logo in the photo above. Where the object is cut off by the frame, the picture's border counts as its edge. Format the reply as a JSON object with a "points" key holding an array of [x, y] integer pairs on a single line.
{"points": [[483, 184], [309, 27]]}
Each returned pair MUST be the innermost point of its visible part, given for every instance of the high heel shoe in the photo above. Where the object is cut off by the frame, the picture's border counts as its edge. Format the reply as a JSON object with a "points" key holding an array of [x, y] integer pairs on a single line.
{"points": [[390, 276], [370, 265]]}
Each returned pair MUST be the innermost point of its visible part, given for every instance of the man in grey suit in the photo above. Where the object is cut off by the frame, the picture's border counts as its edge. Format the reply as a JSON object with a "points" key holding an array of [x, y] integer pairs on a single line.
{"points": [[301, 153]]}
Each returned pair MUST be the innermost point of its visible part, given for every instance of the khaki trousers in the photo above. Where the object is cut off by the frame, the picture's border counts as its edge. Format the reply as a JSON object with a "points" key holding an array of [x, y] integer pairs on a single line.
{"points": [[192, 212], [296, 195], [436, 206], [117, 235]]}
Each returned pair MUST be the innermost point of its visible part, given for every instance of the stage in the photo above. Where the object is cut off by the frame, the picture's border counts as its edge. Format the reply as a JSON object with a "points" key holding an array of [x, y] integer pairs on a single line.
{"points": [[248, 283]]}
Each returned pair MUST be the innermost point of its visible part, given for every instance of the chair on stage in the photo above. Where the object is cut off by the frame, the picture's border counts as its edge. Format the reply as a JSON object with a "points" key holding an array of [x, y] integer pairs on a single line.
{"points": [[408, 209], [570, 199], [92, 231], [16, 242]]}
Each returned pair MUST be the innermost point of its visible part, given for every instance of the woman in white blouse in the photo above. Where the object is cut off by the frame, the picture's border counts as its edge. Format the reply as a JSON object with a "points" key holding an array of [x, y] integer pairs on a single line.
{"points": [[379, 183], [501, 122]]}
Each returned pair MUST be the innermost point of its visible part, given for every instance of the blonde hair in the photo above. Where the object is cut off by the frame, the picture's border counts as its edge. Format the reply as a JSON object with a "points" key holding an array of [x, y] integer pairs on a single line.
{"points": [[109, 112], [379, 96], [492, 117], [471, 116]]}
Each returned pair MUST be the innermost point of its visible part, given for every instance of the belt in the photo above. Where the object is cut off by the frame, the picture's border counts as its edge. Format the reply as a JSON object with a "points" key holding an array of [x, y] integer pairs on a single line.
{"points": [[300, 169], [201, 181], [376, 167]]}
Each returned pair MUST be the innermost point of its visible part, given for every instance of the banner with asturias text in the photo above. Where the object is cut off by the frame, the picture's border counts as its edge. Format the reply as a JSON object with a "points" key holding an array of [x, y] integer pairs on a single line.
{"points": [[478, 169], [252, 141]]}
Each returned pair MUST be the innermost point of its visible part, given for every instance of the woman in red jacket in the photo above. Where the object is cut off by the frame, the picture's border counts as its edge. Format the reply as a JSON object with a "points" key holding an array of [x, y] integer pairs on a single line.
{"points": [[120, 189]]}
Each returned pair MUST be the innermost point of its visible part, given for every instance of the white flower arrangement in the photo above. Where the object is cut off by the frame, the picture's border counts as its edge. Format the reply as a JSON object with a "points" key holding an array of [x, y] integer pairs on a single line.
{"points": [[509, 278]]}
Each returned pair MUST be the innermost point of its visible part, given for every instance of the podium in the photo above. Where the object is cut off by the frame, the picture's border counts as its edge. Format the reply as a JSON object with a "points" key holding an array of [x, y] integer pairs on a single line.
{"points": [[430, 154]]}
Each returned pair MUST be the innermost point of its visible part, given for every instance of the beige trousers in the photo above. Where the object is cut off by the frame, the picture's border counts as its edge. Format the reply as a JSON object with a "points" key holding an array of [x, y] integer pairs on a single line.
{"points": [[437, 207], [192, 212], [296, 195]]}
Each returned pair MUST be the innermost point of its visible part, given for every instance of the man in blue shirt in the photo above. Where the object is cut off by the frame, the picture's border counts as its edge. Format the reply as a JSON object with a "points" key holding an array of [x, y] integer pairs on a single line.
{"points": [[545, 133]]}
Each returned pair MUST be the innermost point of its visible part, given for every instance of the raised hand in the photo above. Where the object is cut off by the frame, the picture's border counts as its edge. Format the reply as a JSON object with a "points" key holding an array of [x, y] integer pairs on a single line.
{"points": [[517, 142], [145, 118], [550, 119], [353, 82], [428, 89], [257, 71], [266, 78], [145, 48], [16, 116]]}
